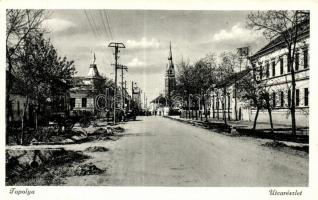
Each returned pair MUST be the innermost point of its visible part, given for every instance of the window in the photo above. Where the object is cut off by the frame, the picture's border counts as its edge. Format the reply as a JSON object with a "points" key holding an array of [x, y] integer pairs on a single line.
{"points": [[297, 97], [267, 70], [273, 68], [84, 102], [305, 58], [281, 63], [306, 96], [274, 99], [18, 108], [282, 99], [261, 72], [296, 61], [289, 98], [72, 103]]}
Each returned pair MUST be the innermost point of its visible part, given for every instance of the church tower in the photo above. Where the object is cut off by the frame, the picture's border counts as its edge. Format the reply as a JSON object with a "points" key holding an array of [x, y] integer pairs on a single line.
{"points": [[170, 78]]}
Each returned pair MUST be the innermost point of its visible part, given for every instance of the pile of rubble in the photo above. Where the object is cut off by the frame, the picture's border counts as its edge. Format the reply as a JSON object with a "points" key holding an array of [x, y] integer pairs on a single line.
{"points": [[79, 134], [96, 149], [86, 169], [29, 165]]}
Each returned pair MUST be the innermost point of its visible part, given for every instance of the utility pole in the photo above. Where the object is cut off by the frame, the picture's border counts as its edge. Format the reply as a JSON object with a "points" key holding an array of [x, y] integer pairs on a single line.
{"points": [[132, 93], [116, 46], [122, 67], [125, 94], [144, 100]]}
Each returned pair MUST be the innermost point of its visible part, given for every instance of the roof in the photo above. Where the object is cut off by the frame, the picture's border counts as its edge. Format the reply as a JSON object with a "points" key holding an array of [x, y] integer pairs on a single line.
{"points": [[93, 71], [160, 98], [232, 78], [279, 42]]}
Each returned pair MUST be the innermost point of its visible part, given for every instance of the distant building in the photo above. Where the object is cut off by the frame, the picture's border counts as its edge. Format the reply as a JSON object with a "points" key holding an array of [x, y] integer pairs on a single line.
{"points": [[170, 77], [158, 105], [136, 95]]}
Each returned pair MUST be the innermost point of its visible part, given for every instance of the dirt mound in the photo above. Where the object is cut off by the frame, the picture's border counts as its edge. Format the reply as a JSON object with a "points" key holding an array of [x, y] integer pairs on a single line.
{"points": [[100, 131], [274, 144], [87, 169], [118, 129], [97, 149], [37, 167], [296, 150]]}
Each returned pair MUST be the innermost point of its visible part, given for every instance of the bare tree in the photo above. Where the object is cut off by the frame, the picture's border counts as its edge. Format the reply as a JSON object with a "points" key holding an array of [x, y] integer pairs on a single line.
{"points": [[286, 25], [20, 24]]}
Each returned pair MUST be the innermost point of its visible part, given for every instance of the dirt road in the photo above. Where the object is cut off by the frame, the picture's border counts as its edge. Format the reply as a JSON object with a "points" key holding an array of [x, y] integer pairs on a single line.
{"points": [[156, 151]]}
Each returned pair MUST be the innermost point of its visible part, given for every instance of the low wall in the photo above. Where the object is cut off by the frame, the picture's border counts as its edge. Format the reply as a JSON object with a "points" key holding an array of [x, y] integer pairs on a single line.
{"points": [[283, 116]]}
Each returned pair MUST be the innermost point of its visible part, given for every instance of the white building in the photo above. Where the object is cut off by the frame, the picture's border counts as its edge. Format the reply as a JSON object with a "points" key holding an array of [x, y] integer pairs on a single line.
{"points": [[224, 100], [270, 65]]}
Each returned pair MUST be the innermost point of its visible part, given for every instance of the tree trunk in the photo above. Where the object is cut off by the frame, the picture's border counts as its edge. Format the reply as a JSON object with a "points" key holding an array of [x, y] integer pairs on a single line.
{"points": [[235, 102], [22, 120], [204, 109], [213, 111], [196, 111], [255, 118], [224, 106], [270, 119], [293, 106], [8, 103], [218, 108], [228, 108], [36, 110]]}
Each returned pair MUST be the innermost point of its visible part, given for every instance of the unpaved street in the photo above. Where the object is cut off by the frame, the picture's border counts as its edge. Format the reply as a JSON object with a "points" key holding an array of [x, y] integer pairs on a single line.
{"points": [[156, 151]]}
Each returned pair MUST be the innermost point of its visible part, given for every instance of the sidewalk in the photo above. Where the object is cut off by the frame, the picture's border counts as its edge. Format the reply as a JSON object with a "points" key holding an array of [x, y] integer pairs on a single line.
{"points": [[242, 124], [282, 133]]}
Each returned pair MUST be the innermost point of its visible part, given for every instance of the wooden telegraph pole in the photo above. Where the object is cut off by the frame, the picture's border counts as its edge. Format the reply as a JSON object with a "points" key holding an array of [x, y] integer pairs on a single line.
{"points": [[117, 46]]}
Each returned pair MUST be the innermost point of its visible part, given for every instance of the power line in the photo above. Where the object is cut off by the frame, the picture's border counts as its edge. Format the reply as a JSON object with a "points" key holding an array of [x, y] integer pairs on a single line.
{"points": [[95, 25], [109, 25], [90, 24], [103, 22], [96, 35]]}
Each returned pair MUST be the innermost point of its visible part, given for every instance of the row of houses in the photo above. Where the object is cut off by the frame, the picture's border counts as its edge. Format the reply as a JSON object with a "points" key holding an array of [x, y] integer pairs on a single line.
{"points": [[269, 67]]}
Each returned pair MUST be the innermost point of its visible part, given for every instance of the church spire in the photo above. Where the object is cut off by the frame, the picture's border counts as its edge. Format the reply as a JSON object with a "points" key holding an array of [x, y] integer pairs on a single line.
{"points": [[94, 58], [170, 63], [170, 53]]}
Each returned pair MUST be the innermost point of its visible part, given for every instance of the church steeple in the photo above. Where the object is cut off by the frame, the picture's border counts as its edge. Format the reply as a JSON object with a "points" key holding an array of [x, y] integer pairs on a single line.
{"points": [[170, 80], [170, 62]]}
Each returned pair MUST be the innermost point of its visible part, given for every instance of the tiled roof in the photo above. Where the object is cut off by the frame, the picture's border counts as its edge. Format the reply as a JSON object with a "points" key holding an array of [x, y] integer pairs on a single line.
{"points": [[232, 78], [279, 42]]}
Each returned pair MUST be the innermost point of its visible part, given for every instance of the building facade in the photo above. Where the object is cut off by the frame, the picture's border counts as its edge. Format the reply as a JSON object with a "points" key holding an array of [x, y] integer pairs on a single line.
{"points": [[270, 66], [85, 90], [225, 100]]}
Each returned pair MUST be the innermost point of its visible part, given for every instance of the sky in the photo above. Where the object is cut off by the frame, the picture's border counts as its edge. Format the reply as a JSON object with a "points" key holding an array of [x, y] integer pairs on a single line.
{"points": [[79, 34]]}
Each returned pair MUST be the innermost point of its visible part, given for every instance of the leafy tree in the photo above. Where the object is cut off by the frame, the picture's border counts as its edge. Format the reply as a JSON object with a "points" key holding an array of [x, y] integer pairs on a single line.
{"points": [[226, 68], [193, 81], [43, 73]]}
